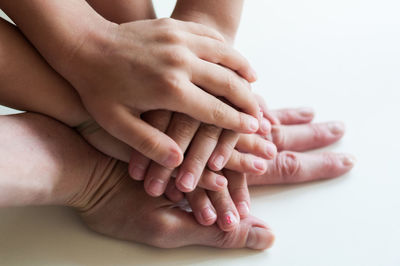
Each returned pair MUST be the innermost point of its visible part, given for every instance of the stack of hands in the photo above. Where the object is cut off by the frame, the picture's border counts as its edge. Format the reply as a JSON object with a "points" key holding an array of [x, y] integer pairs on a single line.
{"points": [[171, 97]]}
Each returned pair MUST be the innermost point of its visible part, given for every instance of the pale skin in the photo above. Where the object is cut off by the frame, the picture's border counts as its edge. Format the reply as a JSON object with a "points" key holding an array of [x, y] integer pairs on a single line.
{"points": [[226, 194], [42, 164], [207, 134], [59, 101], [54, 168], [207, 142], [92, 53], [34, 86]]}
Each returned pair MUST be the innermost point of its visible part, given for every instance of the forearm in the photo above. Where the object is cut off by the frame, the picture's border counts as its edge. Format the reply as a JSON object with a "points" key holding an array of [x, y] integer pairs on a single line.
{"points": [[39, 163], [28, 83], [223, 15], [57, 28], [122, 11]]}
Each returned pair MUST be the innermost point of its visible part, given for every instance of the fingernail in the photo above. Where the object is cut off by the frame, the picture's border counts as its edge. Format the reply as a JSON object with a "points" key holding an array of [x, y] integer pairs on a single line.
{"points": [[270, 150], [265, 125], [336, 128], [219, 162], [156, 186], [253, 124], [348, 160], [243, 208], [306, 112], [230, 218], [187, 180], [172, 160], [259, 238], [253, 74], [259, 164], [137, 172], [221, 181], [208, 214], [260, 114]]}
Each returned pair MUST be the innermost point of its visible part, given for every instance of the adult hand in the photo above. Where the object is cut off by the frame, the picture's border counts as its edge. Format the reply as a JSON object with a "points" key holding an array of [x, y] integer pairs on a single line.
{"points": [[293, 134]]}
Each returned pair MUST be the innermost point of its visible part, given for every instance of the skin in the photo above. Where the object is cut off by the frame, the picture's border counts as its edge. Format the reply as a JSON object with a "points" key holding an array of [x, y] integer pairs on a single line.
{"points": [[50, 94], [45, 84], [42, 165], [92, 53]]}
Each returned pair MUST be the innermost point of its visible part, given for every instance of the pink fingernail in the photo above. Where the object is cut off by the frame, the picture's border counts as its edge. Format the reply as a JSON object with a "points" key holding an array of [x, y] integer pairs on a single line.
{"points": [[221, 181], [336, 128], [208, 214], [156, 187], [306, 112], [137, 172], [172, 160], [187, 181], [348, 160], [265, 125], [253, 74], [219, 162], [253, 124], [230, 218], [270, 150], [259, 164]]}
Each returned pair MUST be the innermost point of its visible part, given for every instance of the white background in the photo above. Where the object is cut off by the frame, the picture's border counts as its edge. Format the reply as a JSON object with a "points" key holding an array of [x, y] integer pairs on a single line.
{"points": [[341, 58]]}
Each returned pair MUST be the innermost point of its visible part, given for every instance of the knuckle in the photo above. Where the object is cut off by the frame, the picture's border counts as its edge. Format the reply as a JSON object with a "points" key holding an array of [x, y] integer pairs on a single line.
{"points": [[183, 127], [239, 193], [232, 85], [171, 83], [329, 163], [288, 165], [220, 50], [317, 133], [177, 56], [218, 111], [278, 137], [244, 162], [222, 200], [150, 144], [166, 22], [171, 36], [210, 132]]}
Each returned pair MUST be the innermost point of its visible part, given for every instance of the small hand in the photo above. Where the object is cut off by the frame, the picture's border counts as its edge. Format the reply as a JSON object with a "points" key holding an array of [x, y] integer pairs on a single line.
{"points": [[163, 64]]}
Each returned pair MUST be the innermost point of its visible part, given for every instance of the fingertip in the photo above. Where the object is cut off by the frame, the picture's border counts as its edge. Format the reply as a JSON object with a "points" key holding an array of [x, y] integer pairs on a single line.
{"points": [[265, 126], [207, 216], [155, 187], [228, 221], [185, 182], [348, 160], [216, 162], [259, 165], [259, 238], [337, 128], [270, 150], [173, 159]]}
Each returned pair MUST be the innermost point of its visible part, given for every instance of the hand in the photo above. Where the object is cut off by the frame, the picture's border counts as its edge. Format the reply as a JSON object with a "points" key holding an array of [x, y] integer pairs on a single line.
{"points": [[42, 164], [205, 141], [160, 64], [292, 134]]}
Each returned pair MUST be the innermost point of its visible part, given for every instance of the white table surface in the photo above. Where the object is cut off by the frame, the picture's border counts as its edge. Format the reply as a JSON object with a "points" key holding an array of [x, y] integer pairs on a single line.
{"points": [[339, 57]]}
